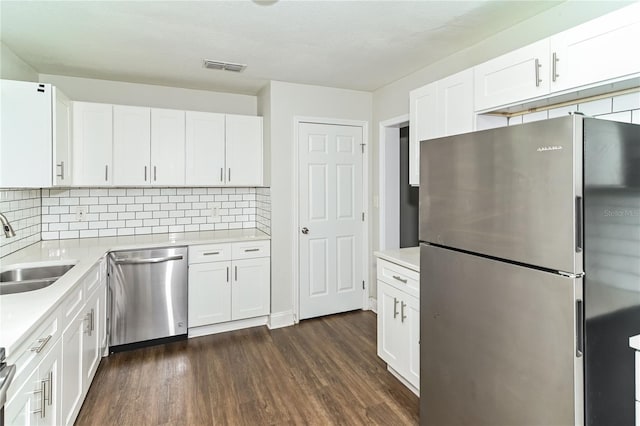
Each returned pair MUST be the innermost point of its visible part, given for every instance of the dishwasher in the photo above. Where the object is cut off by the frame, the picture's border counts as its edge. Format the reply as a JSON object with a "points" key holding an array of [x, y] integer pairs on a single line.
{"points": [[147, 297]]}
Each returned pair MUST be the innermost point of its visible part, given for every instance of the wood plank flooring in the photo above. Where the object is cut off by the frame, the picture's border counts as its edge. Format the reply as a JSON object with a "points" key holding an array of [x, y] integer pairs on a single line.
{"points": [[324, 371]]}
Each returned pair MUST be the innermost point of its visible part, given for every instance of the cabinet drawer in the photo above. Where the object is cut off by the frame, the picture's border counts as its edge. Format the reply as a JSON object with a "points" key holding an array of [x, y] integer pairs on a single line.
{"points": [[399, 277], [92, 279], [209, 253], [71, 305], [35, 348], [251, 249]]}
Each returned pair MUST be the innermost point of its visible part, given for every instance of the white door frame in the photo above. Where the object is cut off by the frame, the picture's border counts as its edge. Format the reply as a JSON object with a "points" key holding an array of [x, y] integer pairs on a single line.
{"points": [[396, 123], [364, 125]]}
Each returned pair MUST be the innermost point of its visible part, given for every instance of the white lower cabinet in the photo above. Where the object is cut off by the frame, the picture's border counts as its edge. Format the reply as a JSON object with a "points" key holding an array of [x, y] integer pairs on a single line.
{"points": [[37, 400], [72, 367], [399, 322], [228, 282]]}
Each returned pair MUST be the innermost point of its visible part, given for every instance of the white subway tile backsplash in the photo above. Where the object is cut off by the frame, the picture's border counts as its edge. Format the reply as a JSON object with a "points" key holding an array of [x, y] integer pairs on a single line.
{"points": [[23, 209], [601, 106]]}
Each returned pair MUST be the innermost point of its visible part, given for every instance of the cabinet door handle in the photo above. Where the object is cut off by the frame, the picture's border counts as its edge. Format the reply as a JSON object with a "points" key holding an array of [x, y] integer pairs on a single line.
{"points": [[402, 315], [93, 316], [106, 172], [229, 175], [236, 272], [396, 277], [537, 65], [43, 342], [155, 173], [145, 173], [50, 397], [61, 175], [221, 174], [227, 274], [87, 323], [395, 308], [554, 67], [42, 391]]}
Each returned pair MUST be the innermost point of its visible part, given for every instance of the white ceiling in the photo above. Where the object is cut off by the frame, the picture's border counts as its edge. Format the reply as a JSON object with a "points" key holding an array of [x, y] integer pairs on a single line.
{"points": [[360, 45]]}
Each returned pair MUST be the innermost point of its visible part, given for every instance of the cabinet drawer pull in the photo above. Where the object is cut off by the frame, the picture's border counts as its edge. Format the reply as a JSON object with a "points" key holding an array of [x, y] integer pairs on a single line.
{"points": [[43, 342], [396, 277], [210, 253], [253, 249], [395, 306]]}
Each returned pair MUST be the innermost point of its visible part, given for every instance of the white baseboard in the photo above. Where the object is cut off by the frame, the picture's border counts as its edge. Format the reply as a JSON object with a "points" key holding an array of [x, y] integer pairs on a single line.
{"points": [[373, 305], [227, 326], [281, 319], [404, 381]]}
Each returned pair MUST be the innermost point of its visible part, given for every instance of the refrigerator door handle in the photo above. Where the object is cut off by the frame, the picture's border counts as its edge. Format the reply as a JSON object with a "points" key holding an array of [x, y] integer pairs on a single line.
{"points": [[579, 219], [579, 328]]}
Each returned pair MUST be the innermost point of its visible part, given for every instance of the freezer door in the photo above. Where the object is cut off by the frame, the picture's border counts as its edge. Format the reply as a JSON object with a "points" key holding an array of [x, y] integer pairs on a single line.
{"points": [[510, 193], [498, 343]]}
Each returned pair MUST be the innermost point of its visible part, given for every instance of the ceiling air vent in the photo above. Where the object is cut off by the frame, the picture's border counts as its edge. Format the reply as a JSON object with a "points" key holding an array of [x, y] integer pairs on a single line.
{"points": [[227, 66]]}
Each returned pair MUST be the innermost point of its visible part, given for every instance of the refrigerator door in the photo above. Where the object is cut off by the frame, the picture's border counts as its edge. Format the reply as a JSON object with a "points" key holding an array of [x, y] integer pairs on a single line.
{"points": [[612, 267], [499, 343], [510, 193]]}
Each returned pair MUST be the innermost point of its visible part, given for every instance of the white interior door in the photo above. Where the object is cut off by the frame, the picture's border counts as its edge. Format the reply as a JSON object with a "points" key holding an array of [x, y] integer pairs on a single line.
{"points": [[330, 217]]}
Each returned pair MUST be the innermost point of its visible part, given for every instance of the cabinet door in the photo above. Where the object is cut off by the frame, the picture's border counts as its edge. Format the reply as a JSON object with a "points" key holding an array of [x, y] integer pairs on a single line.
{"points": [[513, 77], [455, 104], [61, 139], [92, 143], [50, 374], [392, 336], [93, 317], [251, 288], [72, 367], [209, 293], [204, 149], [423, 116], [25, 134], [131, 145], [411, 323], [167, 147], [244, 150], [19, 411], [597, 50]]}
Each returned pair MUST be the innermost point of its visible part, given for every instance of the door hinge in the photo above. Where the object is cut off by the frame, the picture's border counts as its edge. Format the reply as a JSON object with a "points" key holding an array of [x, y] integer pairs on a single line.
{"points": [[363, 216], [41, 88], [363, 284]]}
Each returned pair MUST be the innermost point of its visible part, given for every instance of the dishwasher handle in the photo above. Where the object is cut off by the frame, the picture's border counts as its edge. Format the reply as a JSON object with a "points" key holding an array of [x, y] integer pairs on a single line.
{"points": [[143, 260]]}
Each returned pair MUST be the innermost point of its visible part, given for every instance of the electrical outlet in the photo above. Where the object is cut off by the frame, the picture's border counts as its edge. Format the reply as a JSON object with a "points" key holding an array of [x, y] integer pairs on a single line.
{"points": [[214, 212], [81, 213]]}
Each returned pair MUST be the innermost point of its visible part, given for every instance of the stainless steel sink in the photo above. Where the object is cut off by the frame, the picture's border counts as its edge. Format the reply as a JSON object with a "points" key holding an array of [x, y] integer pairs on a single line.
{"points": [[20, 280]]}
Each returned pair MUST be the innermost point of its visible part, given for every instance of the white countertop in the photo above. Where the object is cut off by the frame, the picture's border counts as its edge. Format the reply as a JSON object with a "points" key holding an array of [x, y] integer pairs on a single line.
{"points": [[408, 257], [634, 342], [21, 312]]}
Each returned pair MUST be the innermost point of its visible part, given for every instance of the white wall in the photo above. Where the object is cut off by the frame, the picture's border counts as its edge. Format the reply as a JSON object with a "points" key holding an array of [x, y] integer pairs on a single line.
{"points": [[117, 92], [392, 100], [287, 101], [14, 68]]}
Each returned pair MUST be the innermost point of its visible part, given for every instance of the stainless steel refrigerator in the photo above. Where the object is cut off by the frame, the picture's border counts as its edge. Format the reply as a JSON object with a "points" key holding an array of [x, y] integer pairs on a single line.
{"points": [[530, 274]]}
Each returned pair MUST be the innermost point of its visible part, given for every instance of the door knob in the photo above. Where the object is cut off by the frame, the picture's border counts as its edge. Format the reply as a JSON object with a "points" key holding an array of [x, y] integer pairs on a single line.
{"points": [[305, 230]]}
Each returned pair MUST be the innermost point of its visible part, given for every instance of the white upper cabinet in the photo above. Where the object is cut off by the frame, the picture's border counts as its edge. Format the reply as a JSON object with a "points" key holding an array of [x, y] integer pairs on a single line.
{"points": [[244, 150], [205, 138], [599, 50], [443, 108], [25, 134], [92, 143], [62, 146], [423, 117], [131, 145], [167, 146], [516, 76]]}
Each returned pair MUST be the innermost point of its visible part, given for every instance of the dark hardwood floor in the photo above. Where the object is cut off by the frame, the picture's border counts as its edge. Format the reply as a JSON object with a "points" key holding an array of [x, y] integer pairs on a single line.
{"points": [[323, 371]]}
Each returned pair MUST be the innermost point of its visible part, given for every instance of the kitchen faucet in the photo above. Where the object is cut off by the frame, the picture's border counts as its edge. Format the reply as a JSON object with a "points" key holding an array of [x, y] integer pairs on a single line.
{"points": [[6, 227]]}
